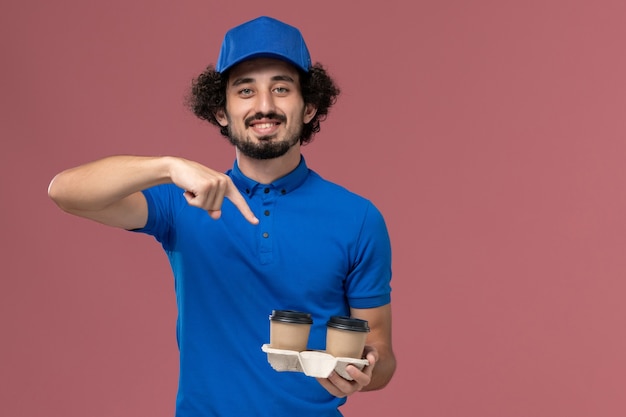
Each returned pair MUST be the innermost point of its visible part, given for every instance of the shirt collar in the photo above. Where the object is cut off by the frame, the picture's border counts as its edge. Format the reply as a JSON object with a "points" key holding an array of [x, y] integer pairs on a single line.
{"points": [[284, 185]]}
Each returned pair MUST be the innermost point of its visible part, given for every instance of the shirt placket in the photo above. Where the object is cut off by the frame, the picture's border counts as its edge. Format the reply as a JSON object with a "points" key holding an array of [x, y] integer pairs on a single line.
{"points": [[266, 229]]}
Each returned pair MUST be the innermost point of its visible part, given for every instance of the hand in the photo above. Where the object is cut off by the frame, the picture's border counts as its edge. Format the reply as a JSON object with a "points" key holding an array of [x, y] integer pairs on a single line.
{"points": [[340, 387], [206, 189]]}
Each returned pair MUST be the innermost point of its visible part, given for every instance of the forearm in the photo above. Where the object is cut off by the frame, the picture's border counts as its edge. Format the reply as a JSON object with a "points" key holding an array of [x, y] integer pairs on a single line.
{"points": [[98, 184], [383, 371], [378, 344]]}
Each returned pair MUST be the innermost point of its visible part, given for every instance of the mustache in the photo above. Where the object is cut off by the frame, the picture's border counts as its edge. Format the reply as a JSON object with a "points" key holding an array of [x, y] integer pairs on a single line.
{"points": [[259, 116]]}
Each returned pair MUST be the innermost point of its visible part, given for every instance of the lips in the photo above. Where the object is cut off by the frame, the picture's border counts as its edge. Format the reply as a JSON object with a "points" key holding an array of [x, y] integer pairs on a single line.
{"points": [[266, 125], [264, 119], [264, 128]]}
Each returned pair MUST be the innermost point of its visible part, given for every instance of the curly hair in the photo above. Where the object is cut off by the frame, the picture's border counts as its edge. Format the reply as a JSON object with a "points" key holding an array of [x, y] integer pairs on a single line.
{"points": [[208, 96]]}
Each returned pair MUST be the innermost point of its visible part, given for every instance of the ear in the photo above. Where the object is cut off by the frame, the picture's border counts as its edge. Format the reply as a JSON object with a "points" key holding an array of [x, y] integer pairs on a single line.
{"points": [[309, 113], [221, 118]]}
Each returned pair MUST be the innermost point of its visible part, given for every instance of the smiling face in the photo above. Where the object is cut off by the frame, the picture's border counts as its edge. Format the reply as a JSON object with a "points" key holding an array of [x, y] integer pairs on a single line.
{"points": [[264, 111]]}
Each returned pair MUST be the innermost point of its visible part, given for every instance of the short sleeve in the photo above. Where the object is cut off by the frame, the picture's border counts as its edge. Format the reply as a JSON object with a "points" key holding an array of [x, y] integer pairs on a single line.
{"points": [[368, 284], [164, 202]]}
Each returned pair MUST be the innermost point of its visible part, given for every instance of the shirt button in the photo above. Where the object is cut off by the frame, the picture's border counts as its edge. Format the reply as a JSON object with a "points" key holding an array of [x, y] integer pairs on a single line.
{"points": [[283, 192], [266, 235], [267, 212], [267, 190], [247, 191]]}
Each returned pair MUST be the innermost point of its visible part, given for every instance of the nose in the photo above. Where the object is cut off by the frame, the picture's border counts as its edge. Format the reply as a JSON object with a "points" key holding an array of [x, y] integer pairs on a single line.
{"points": [[265, 102]]}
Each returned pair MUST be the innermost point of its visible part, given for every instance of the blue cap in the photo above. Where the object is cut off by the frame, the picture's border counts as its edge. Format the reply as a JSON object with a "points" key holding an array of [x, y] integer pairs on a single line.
{"points": [[263, 37]]}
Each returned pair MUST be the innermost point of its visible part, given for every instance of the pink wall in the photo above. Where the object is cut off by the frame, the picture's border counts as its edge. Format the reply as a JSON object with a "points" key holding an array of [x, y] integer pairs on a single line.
{"points": [[491, 134]]}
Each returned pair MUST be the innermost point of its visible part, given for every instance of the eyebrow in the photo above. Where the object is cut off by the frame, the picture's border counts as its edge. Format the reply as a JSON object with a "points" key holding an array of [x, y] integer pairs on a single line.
{"points": [[248, 80]]}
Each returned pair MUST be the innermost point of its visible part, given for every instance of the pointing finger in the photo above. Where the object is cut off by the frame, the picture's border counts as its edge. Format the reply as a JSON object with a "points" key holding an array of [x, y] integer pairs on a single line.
{"points": [[233, 194]]}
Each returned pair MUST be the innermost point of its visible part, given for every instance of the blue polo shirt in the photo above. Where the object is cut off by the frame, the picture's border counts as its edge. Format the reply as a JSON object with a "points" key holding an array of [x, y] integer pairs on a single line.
{"points": [[318, 248]]}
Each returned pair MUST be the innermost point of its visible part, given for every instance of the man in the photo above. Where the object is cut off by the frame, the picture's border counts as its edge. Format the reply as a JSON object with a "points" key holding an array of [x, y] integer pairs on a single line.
{"points": [[268, 234]]}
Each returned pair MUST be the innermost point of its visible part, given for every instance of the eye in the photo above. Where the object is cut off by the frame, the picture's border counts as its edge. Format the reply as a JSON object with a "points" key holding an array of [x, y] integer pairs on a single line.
{"points": [[245, 92], [281, 90]]}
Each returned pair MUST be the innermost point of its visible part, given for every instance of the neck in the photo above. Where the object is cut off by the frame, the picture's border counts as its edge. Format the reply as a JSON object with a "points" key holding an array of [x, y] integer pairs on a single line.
{"points": [[266, 171]]}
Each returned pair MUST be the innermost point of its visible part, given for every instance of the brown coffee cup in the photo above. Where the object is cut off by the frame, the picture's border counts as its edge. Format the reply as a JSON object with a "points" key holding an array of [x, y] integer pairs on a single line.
{"points": [[345, 337], [289, 330]]}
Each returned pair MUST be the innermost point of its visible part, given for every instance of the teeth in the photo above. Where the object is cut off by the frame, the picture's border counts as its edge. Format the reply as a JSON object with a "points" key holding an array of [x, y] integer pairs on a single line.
{"points": [[264, 125]]}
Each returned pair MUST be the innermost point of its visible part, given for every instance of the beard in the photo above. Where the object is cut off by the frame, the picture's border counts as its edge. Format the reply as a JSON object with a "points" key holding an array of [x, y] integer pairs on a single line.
{"points": [[266, 148]]}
